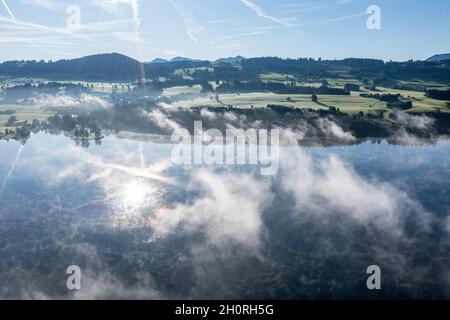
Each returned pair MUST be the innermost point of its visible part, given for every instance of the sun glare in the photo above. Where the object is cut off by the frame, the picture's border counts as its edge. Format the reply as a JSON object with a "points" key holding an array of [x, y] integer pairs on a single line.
{"points": [[137, 194]]}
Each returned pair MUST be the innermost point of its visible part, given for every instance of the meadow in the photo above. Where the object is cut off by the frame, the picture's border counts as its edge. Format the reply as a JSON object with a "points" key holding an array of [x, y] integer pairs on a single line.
{"points": [[22, 113], [352, 104]]}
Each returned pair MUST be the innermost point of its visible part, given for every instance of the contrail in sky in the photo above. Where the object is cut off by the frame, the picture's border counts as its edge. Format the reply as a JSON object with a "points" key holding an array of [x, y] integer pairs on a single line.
{"points": [[13, 19], [9, 11], [260, 12]]}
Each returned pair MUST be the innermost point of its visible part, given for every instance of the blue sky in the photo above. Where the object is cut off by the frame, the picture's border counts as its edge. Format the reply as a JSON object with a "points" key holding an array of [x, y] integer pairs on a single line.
{"points": [[209, 29]]}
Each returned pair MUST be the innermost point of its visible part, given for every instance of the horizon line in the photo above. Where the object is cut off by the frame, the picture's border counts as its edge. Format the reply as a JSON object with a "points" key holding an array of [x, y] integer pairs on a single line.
{"points": [[168, 60]]}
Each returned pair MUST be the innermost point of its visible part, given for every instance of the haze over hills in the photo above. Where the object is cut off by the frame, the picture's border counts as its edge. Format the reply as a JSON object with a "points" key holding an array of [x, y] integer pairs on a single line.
{"points": [[159, 60], [118, 67], [236, 59], [184, 59], [176, 59]]}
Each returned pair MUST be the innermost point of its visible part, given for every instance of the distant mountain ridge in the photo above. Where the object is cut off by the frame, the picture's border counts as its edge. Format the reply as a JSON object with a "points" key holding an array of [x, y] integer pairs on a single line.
{"points": [[112, 67], [236, 59], [176, 59], [439, 57], [184, 59]]}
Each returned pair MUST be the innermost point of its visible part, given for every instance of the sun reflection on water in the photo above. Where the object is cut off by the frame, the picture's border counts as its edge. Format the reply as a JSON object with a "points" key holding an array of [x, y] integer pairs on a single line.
{"points": [[135, 194], [138, 195]]}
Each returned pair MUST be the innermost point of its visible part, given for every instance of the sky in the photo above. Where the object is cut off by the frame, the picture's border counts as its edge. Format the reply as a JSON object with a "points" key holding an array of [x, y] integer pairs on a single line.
{"points": [[211, 29]]}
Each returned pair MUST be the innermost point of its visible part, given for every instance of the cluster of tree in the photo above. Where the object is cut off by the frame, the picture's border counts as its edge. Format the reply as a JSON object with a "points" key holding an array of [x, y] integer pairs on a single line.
{"points": [[402, 105], [281, 109], [154, 71], [81, 126], [229, 72], [373, 116], [22, 133], [207, 87], [303, 68], [23, 129], [439, 94], [29, 90], [276, 87], [409, 87], [14, 122], [11, 122], [7, 112], [382, 97], [5, 134], [351, 87], [394, 101]]}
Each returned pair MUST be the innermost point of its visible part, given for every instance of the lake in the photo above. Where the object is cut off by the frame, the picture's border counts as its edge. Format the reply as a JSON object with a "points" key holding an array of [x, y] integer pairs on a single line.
{"points": [[140, 227]]}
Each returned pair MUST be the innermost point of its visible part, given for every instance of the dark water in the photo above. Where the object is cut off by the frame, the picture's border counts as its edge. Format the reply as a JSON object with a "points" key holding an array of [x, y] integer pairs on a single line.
{"points": [[139, 227]]}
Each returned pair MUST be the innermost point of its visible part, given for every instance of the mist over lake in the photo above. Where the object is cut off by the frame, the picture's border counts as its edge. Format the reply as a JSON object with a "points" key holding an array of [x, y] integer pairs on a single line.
{"points": [[197, 232]]}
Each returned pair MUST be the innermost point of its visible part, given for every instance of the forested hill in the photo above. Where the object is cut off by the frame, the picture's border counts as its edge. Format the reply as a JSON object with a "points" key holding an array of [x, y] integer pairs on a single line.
{"points": [[117, 67], [96, 67], [439, 57]]}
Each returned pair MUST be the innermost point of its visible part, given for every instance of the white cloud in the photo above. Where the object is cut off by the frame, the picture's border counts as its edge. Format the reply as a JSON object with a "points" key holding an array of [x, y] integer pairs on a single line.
{"points": [[330, 186], [228, 211], [332, 130], [420, 122], [161, 120]]}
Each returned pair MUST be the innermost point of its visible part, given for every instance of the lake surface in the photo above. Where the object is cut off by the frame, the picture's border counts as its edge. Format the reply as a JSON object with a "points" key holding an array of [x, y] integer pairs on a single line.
{"points": [[140, 227]]}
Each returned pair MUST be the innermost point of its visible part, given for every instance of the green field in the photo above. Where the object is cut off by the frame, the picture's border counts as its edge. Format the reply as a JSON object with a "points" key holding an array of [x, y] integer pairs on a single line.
{"points": [[281, 77], [421, 103], [23, 113], [350, 104], [186, 73]]}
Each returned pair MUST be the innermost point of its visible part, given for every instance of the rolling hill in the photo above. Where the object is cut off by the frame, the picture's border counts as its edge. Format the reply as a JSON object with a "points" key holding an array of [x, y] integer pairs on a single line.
{"points": [[439, 57], [112, 66]]}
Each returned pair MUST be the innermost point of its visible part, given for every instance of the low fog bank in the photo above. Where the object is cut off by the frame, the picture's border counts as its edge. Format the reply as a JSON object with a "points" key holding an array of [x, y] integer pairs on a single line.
{"points": [[304, 127]]}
